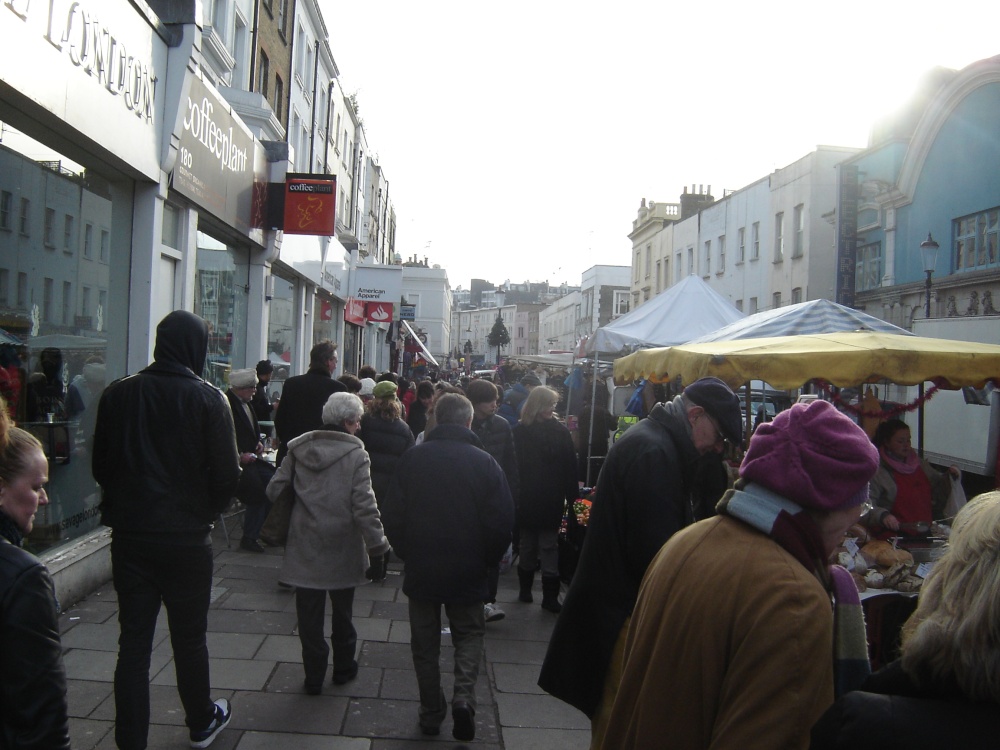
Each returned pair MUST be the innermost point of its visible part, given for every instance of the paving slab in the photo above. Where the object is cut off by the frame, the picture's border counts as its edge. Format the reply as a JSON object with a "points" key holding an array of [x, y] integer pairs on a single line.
{"points": [[239, 621], [227, 674], [513, 651], [539, 711], [546, 739], [517, 678], [284, 741], [99, 666], [289, 678], [401, 684], [164, 706], [83, 696], [289, 713], [398, 719]]}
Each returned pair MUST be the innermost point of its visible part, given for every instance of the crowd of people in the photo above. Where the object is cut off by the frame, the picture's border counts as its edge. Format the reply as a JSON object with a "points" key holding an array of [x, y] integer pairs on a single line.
{"points": [[700, 612]]}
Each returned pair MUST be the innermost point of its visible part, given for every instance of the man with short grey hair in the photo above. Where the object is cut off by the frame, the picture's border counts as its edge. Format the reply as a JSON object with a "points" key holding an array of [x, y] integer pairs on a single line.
{"points": [[448, 515]]}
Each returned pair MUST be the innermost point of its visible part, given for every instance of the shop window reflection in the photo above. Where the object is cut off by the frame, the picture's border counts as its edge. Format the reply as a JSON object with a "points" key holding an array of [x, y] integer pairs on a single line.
{"points": [[221, 299]]}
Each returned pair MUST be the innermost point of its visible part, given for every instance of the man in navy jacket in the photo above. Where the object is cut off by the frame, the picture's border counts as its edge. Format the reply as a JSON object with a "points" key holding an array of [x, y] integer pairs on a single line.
{"points": [[448, 515]]}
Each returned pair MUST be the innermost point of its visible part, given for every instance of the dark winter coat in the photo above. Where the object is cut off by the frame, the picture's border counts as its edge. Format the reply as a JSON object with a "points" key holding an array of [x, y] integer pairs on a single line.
{"points": [[643, 498], [513, 402], [416, 418], [495, 434], [32, 676], [891, 712], [448, 515], [546, 462], [164, 443], [385, 442], [301, 407]]}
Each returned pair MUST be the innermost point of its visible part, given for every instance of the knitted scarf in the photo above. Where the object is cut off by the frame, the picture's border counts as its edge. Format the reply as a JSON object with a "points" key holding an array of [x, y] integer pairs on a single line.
{"points": [[906, 466], [795, 531]]}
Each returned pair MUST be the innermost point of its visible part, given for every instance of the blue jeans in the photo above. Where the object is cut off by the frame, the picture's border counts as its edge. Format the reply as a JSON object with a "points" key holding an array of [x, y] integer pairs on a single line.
{"points": [[145, 575]]}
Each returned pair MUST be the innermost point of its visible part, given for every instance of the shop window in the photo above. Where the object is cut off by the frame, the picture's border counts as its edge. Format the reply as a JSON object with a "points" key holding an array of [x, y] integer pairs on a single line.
{"points": [[281, 330], [220, 297], [170, 234]]}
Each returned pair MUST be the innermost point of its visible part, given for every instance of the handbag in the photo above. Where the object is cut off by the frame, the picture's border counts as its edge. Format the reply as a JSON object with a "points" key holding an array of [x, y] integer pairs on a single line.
{"points": [[274, 532]]}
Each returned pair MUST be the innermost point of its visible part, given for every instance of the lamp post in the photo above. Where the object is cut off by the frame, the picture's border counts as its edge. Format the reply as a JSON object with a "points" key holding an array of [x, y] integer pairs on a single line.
{"points": [[929, 250]]}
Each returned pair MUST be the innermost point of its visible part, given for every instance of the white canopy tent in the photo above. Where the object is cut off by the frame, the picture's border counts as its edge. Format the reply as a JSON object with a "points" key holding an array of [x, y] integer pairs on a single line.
{"points": [[686, 310]]}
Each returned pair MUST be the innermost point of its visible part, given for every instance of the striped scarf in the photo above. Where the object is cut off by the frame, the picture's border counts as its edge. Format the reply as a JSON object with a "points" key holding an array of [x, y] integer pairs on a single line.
{"points": [[795, 531]]}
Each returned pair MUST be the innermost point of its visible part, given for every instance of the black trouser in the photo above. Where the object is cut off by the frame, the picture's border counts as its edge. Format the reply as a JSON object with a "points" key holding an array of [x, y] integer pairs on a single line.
{"points": [[145, 575], [309, 606]]}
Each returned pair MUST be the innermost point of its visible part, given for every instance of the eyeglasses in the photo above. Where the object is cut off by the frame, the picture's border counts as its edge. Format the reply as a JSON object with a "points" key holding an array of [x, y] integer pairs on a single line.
{"points": [[865, 508], [719, 437]]}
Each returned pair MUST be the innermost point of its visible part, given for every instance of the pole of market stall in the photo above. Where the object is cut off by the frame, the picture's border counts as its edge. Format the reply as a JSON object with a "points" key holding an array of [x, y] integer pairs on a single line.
{"points": [[920, 420], [593, 408]]}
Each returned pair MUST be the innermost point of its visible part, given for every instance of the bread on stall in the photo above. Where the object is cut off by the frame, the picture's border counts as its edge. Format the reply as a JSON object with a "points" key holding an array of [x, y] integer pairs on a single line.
{"points": [[884, 554]]}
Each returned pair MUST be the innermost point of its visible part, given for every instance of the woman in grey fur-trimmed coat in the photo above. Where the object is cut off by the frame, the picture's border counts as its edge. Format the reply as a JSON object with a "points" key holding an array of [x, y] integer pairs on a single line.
{"points": [[335, 536]]}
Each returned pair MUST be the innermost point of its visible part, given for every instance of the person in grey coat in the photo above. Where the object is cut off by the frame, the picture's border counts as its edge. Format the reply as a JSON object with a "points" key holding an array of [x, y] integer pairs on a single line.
{"points": [[335, 536]]}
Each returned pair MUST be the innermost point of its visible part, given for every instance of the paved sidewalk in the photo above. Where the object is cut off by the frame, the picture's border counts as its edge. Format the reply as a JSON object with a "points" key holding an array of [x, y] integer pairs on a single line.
{"points": [[256, 664]]}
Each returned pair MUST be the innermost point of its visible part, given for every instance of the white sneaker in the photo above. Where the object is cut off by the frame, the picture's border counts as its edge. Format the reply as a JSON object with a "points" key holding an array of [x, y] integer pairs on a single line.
{"points": [[205, 737], [492, 613]]}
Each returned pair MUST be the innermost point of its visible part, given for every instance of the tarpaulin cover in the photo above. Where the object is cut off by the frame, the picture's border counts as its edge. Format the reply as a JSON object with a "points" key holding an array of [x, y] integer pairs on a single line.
{"points": [[844, 359], [686, 310], [814, 316]]}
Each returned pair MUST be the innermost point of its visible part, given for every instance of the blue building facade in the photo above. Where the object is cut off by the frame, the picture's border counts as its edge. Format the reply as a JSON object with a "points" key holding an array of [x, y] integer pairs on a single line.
{"points": [[934, 168]]}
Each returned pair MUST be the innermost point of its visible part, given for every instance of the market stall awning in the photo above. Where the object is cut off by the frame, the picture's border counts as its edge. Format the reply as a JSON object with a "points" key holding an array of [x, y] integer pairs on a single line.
{"points": [[427, 355], [844, 359]]}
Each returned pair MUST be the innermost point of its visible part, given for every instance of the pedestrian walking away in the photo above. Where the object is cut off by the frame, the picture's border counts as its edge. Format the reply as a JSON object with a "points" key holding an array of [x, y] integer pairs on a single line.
{"points": [[448, 516]]}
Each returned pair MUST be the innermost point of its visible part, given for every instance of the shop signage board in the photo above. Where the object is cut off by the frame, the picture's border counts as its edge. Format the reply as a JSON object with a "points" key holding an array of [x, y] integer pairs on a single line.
{"points": [[310, 204], [378, 312], [354, 311], [408, 312], [378, 284], [219, 165], [90, 67]]}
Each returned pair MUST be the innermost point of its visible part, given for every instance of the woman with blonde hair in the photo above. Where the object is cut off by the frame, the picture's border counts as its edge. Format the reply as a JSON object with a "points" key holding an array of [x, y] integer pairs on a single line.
{"points": [[546, 465], [944, 690], [32, 676]]}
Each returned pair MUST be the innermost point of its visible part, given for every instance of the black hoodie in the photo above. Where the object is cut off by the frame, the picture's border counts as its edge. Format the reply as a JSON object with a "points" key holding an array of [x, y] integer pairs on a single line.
{"points": [[164, 444]]}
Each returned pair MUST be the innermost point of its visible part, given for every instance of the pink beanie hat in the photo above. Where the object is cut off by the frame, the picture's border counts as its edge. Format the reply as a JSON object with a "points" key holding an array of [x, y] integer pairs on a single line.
{"points": [[812, 455]]}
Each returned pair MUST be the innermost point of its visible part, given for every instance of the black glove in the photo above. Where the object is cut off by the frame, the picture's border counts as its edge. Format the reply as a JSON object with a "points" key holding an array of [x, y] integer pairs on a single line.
{"points": [[378, 567]]}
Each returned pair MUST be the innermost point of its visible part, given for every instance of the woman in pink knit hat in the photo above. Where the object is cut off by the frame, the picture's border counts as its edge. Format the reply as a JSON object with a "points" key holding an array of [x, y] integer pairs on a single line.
{"points": [[743, 634]]}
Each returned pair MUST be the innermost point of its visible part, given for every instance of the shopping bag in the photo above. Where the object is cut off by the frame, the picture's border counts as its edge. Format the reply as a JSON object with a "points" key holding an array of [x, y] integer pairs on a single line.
{"points": [[507, 560], [956, 499], [274, 532]]}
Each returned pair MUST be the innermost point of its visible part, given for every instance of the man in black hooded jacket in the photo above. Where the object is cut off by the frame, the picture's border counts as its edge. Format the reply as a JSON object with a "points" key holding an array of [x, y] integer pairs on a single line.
{"points": [[165, 456]]}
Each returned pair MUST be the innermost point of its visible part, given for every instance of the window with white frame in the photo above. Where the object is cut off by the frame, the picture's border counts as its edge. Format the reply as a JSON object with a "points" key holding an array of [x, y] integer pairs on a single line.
{"points": [[47, 286], [739, 305], [637, 262], [741, 239], [68, 233], [621, 302], [708, 258], [799, 245], [105, 245], [649, 260], [869, 267], [722, 254], [797, 295], [776, 300], [88, 241], [659, 268], [755, 241], [85, 301], [779, 237], [753, 306], [976, 241], [690, 261]]}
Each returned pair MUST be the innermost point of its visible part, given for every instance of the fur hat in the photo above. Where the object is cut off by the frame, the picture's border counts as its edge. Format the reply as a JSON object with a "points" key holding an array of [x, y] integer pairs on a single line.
{"points": [[367, 386], [718, 399], [385, 389], [814, 456], [242, 378]]}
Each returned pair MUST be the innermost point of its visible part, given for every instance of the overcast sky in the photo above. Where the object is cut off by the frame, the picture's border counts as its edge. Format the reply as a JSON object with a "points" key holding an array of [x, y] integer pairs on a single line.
{"points": [[519, 137]]}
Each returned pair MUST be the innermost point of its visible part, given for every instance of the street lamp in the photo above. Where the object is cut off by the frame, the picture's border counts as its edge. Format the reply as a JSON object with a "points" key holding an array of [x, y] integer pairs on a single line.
{"points": [[929, 250]]}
